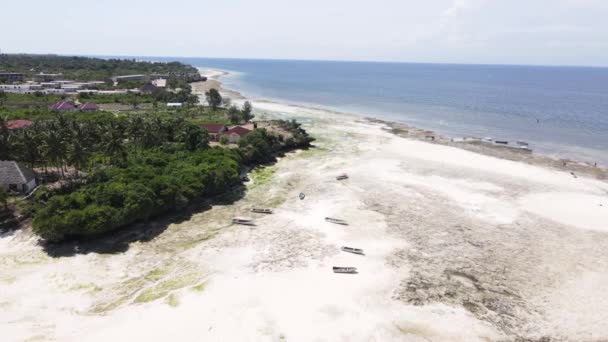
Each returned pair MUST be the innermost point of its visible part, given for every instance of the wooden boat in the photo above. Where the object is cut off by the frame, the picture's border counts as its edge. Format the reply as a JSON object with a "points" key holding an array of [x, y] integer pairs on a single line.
{"points": [[302, 195], [501, 142], [351, 270], [244, 221], [336, 221], [342, 176], [262, 210], [352, 250]]}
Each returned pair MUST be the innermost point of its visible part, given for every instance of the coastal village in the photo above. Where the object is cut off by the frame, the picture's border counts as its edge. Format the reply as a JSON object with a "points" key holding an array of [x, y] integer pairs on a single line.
{"points": [[56, 84], [122, 114]]}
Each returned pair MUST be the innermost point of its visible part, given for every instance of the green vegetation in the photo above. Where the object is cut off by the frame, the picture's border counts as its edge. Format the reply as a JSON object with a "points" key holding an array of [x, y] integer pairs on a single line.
{"points": [[27, 100], [214, 99], [163, 288], [3, 197], [259, 146], [117, 169], [200, 287], [150, 183], [173, 300], [262, 175], [90, 69]]}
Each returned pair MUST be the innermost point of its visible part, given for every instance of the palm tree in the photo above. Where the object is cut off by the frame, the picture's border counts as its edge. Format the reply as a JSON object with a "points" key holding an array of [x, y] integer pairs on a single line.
{"points": [[113, 142], [29, 143], [151, 135], [135, 129], [77, 155], [53, 147]]}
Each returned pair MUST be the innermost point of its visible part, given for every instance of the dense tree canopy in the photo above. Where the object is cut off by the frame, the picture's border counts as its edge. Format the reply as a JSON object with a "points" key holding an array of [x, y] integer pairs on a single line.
{"points": [[87, 68], [150, 183]]}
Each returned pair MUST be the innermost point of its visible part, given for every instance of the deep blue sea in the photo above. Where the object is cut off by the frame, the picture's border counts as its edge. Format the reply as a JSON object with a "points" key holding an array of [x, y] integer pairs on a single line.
{"points": [[561, 111]]}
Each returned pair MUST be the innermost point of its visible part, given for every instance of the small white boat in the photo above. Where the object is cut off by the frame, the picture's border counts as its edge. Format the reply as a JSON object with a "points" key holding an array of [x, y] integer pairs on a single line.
{"points": [[262, 210], [336, 221], [352, 250], [342, 176], [244, 221], [351, 270]]}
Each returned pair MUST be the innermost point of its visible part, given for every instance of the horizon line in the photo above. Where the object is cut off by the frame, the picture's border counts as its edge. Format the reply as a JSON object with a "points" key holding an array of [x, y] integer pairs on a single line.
{"points": [[314, 60]]}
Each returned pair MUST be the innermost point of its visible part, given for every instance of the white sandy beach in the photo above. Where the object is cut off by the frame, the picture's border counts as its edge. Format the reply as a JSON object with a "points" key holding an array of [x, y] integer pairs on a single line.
{"points": [[458, 246]]}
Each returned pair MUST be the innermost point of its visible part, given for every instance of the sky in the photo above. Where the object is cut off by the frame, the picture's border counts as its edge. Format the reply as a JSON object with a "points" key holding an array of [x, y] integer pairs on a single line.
{"points": [[538, 32]]}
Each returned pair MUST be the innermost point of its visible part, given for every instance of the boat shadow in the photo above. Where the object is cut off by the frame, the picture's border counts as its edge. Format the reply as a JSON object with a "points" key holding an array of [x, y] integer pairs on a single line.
{"points": [[120, 240]]}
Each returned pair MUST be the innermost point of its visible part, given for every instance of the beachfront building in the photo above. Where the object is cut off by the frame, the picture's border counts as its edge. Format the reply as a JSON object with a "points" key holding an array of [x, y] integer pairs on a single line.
{"points": [[236, 133], [16, 178], [174, 105], [215, 130]]}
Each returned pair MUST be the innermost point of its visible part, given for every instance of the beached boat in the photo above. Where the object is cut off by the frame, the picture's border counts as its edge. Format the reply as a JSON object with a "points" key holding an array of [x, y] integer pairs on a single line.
{"points": [[523, 145], [342, 176], [501, 142], [262, 210], [302, 196], [351, 270], [352, 250], [244, 221], [336, 221]]}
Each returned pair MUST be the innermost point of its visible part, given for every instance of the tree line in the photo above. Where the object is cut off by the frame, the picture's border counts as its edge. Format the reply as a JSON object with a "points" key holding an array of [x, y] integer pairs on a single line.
{"points": [[64, 142], [91, 69]]}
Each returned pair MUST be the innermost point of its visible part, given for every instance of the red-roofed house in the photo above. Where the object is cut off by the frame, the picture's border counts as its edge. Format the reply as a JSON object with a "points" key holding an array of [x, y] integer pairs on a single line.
{"points": [[215, 130], [89, 107], [236, 133], [63, 106], [18, 124]]}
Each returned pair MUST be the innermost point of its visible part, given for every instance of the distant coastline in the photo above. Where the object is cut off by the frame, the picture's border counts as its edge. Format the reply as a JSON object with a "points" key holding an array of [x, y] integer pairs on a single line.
{"points": [[558, 111], [412, 132]]}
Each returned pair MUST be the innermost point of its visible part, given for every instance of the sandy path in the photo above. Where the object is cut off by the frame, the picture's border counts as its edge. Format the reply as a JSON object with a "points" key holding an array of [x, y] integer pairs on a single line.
{"points": [[459, 246]]}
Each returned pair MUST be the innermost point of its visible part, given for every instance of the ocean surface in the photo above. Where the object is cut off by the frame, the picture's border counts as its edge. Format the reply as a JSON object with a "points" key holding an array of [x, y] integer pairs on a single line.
{"points": [[560, 111]]}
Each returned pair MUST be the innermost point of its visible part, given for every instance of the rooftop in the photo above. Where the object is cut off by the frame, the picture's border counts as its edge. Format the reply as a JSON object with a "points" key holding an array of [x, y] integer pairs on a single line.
{"points": [[62, 105], [17, 124], [214, 128], [89, 106], [242, 131], [13, 173]]}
